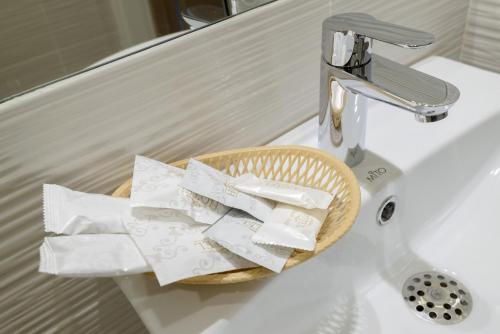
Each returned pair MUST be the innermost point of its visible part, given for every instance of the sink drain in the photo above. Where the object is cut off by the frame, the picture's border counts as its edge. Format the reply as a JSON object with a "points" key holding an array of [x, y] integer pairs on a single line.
{"points": [[386, 210], [437, 297]]}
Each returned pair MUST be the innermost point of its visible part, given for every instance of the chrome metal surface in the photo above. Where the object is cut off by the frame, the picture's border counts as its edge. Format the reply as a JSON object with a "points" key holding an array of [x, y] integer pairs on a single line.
{"points": [[437, 297], [430, 118], [350, 74], [386, 210], [349, 35]]}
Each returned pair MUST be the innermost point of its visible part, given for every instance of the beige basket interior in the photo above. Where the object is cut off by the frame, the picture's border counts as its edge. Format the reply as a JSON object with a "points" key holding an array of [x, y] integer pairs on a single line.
{"points": [[295, 164]]}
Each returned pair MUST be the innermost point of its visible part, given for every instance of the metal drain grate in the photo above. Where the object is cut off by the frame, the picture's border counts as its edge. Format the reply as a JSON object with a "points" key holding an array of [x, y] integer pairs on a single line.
{"points": [[437, 297]]}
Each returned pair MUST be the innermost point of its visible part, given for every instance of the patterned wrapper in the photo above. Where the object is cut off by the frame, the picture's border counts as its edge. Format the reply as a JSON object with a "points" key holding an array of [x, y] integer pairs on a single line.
{"points": [[176, 248], [291, 226], [235, 230], [156, 185], [305, 197], [212, 183]]}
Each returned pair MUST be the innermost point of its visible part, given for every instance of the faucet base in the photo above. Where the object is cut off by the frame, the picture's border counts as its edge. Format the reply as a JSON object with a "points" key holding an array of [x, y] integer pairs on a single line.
{"points": [[342, 119]]}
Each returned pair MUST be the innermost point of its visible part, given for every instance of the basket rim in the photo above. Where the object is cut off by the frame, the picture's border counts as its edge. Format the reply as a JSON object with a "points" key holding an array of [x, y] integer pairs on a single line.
{"points": [[243, 275]]}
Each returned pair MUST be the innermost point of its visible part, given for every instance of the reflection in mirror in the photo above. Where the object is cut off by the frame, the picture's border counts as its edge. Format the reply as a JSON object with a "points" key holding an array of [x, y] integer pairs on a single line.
{"points": [[46, 40]]}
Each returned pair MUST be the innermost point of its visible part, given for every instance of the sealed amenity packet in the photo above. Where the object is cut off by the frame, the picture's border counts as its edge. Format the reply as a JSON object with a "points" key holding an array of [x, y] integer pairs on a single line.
{"points": [[66, 211], [91, 255], [234, 231], [291, 226], [284, 192], [156, 185], [212, 183], [175, 247]]}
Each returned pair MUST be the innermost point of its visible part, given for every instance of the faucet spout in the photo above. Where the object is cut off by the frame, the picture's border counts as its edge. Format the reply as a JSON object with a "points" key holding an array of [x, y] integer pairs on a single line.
{"points": [[401, 86]]}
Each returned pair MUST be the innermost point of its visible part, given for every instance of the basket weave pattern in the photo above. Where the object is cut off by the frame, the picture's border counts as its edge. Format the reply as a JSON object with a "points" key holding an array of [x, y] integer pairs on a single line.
{"points": [[294, 164]]}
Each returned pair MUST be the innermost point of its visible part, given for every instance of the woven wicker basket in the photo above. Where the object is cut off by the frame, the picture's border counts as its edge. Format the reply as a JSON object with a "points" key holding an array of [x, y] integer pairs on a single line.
{"points": [[295, 164]]}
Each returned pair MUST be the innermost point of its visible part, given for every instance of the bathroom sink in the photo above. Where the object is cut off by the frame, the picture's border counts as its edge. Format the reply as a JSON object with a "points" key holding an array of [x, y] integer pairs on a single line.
{"points": [[445, 178]]}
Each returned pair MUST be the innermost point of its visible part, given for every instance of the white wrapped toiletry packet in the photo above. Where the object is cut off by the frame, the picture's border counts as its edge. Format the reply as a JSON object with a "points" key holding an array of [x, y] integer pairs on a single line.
{"points": [[176, 248], [212, 183], [284, 192], [234, 231], [156, 185], [291, 226], [66, 211], [91, 255]]}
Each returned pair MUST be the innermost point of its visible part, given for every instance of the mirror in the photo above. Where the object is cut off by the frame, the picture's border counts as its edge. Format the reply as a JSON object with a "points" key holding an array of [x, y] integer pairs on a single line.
{"points": [[45, 41]]}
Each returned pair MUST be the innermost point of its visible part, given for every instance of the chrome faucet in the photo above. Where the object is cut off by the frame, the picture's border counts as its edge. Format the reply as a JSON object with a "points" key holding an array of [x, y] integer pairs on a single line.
{"points": [[350, 74]]}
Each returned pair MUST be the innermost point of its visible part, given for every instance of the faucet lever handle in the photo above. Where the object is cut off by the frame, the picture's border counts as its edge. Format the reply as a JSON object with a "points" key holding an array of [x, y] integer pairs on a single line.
{"points": [[346, 39]]}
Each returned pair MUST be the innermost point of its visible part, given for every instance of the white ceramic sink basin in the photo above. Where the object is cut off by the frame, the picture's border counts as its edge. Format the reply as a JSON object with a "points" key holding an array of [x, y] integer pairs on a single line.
{"points": [[446, 176]]}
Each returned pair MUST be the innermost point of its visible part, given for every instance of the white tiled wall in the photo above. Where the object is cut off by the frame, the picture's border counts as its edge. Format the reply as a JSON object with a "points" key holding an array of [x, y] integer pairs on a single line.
{"points": [[238, 83], [481, 42]]}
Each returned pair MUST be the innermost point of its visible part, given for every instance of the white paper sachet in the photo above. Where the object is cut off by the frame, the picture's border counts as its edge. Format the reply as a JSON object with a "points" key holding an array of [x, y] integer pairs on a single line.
{"points": [[156, 185], [291, 226], [91, 255], [212, 183], [66, 211], [234, 232], [284, 192], [176, 248]]}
